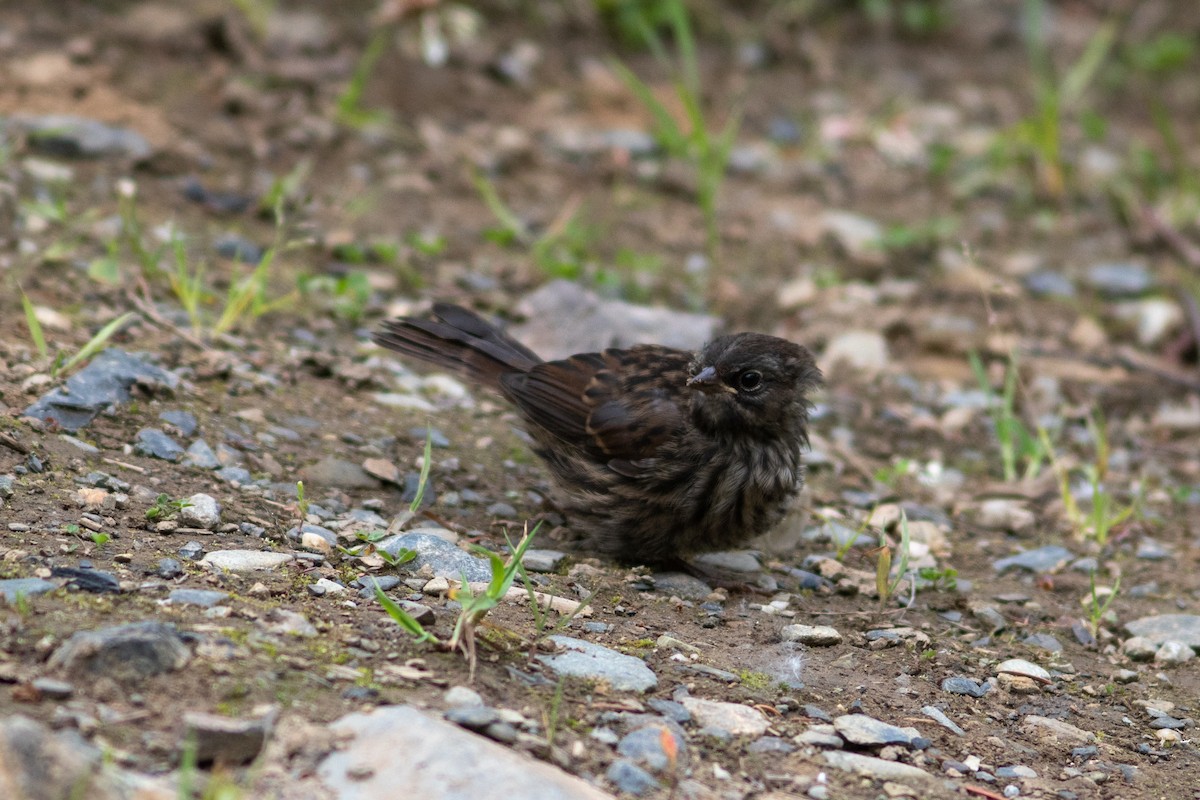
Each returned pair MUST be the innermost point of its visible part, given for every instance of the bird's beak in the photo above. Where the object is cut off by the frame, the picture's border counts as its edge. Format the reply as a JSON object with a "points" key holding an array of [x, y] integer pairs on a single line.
{"points": [[706, 380]]}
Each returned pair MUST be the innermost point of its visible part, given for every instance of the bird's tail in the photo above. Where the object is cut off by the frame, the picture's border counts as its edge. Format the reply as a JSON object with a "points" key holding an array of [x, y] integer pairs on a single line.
{"points": [[460, 341]]}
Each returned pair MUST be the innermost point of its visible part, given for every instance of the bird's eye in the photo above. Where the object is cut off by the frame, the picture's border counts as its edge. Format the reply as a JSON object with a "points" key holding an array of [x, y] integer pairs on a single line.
{"points": [[750, 380]]}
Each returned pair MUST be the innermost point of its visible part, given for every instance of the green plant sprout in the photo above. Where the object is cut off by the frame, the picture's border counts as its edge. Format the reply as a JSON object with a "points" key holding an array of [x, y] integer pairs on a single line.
{"points": [[165, 508], [885, 584], [350, 110], [1039, 137], [1097, 607], [1017, 444], [1105, 513], [697, 143], [475, 604]]}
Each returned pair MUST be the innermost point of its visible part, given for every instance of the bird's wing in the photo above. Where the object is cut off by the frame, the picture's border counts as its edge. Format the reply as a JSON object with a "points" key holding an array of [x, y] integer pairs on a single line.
{"points": [[619, 405]]}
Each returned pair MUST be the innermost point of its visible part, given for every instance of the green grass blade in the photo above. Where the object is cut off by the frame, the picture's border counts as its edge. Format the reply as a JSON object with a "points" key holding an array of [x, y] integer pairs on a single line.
{"points": [[666, 130], [423, 480], [35, 327], [97, 342], [1084, 70], [402, 617]]}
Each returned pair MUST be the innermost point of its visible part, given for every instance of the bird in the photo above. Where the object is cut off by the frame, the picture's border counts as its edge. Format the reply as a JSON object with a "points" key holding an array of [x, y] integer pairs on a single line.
{"points": [[657, 454]]}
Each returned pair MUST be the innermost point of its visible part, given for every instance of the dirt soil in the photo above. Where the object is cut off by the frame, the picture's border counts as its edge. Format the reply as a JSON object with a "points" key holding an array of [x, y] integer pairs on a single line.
{"points": [[848, 111]]}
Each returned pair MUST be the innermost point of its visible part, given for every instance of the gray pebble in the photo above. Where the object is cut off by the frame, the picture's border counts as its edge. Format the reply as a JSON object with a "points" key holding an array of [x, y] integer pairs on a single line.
{"points": [[192, 551], [227, 740], [1047, 283], [862, 730], [80, 137], [436, 437], [238, 475], [502, 510], [201, 511], [645, 748], [589, 661], [1041, 560], [1120, 278], [938, 716], [771, 744], [183, 421], [13, 588], [543, 560], [169, 568], [958, 684], [156, 444], [628, 777], [53, 688], [443, 559], [670, 709], [205, 598], [124, 652], [200, 455]]}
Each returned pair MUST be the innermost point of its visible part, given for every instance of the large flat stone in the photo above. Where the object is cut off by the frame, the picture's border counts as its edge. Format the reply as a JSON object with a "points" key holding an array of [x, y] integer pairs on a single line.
{"points": [[398, 751]]}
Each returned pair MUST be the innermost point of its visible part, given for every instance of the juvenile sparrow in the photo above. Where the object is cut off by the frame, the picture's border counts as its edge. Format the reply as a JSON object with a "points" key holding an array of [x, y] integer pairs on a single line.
{"points": [[656, 453]]}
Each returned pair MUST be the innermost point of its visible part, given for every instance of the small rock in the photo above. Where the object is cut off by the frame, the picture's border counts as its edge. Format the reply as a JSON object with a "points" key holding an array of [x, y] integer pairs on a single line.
{"points": [[205, 598], [680, 584], [1139, 648], [1042, 560], [459, 696], [880, 769], [1183, 628], [200, 511], [439, 760], [39, 763], [1120, 278], [168, 569], [1019, 666], [1047, 283], [590, 661], [1038, 728], [646, 747], [200, 455], [191, 551], [629, 778], [1174, 653], [597, 323], [812, 635], [183, 421], [125, 652], [53, 689], [737, 719], [860, 237], [337, 473], [444, 559], [1153, 550], [103, 383], [79, 137], [863, 350], [938, 716], [859, 729], [13, 588], [743, 561], [1005, 515], [958, 684], [225, 740], [156, 444], [245, 560], [543, 560], [289, 623]]}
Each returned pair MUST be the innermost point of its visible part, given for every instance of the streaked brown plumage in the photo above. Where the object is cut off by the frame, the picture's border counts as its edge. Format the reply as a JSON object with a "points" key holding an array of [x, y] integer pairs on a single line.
{"points": [[657, 453]]}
